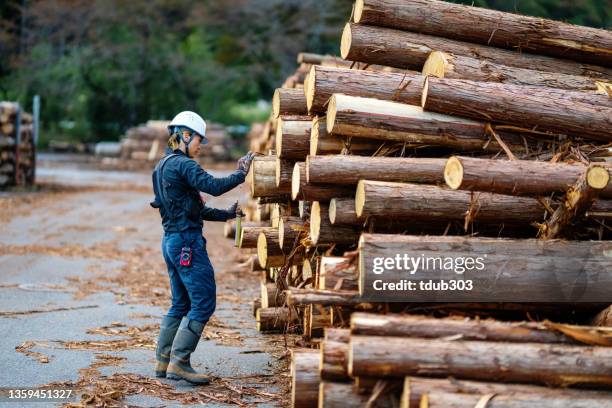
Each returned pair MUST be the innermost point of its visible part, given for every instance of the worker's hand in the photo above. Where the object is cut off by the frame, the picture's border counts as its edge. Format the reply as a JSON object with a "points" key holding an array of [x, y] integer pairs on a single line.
{"points": [[244, 163], [235, 211]]}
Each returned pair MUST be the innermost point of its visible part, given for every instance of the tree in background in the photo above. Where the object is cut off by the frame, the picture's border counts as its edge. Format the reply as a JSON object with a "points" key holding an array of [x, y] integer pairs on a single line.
{"points": [[101, 66]]}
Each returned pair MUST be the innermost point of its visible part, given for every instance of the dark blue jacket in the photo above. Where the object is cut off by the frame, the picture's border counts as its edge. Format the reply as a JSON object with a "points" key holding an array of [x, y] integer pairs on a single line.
{"points": [[179, 200]]}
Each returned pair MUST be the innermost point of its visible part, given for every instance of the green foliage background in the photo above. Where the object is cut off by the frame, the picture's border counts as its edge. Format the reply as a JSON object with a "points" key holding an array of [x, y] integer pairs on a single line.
{"points": [[101, 66]]}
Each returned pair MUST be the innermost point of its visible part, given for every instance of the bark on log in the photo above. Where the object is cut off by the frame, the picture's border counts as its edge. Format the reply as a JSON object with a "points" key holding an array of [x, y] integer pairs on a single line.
{"points": [[425, 202], [409, 50], [322, 143], [293, 139], [269, 252], [323, 232], [334, 361], [325, 81], [516, 177], [256, 306], [551, 271], [337, 273], [304, 378], [263, 178], [296, 297], [272, 319], [301, 190], [289, 228], [603, 318], [336, 334], [271, 296], [249, 235], [316, 319], [288, 101], [341, 395], [415, 387], [482, 26], [516, 105], [578, 199], [447, 65], [342, 169], [284, 170], [391, 121], [441, 399], [342, 212], [560, 365], [368, 324]]}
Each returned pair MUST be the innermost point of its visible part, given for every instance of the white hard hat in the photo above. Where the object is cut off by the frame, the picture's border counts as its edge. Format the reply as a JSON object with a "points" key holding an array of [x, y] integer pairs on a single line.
{"points": [[192, 121]]}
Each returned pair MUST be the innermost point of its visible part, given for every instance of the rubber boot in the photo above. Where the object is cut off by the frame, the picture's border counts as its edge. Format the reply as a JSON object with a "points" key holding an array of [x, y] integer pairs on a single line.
{"points": [[167, 331], [185, 343]]}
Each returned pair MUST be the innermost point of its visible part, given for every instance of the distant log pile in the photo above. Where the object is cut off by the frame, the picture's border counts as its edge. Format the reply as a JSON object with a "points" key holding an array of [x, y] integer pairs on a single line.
{"points": [[17, 147], [148, 142], [440, 134]]}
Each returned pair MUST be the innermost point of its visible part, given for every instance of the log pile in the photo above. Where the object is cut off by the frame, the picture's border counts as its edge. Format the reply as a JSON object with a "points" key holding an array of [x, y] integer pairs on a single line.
{"points": [[17, 146], [148, 142], [440, 132]]}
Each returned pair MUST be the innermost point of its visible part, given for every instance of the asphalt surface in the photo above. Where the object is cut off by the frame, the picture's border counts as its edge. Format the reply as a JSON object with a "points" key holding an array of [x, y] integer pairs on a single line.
{"points": [[65, 247]]}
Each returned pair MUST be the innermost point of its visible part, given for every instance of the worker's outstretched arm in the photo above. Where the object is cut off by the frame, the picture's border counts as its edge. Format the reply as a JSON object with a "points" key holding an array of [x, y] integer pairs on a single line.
{"points": [[215, 214], [198, 178]]}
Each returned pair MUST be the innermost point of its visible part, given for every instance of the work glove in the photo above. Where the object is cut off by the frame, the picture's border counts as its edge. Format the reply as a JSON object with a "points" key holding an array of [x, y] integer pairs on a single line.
{"points": [[244, 163], [234, 211]]}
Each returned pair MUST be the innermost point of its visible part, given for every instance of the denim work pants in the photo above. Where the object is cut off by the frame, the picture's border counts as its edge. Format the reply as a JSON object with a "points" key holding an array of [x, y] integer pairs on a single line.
{"points": [[193, 287]]}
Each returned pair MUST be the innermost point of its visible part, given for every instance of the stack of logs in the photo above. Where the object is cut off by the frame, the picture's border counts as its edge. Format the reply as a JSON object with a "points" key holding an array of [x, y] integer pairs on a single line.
{"points": [[443, 131], [17, 150], [148, 142]]}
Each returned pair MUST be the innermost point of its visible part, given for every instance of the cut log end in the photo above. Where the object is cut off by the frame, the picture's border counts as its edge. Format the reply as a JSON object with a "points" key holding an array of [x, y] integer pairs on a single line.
{"points": [[262, 249], [281, 232], [424, 92], [315, 221], [598, 177], [277, 174], [295, 182], [358, 11], [331, 114], [332, 210], [309, 88], [360, 198], [436, 64], [276, 104], [345, 41], [453, 173], [314, 136], [279, 137]]}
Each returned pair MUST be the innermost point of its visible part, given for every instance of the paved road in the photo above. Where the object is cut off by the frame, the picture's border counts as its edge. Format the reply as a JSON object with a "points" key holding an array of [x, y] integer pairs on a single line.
{"points": [[82, 288]]}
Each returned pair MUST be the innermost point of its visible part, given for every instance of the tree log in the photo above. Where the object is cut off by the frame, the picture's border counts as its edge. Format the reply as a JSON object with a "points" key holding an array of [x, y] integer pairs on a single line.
{"points": [[263, 178], [446, 65], [391, 121], [301, 190], [424, 327], [289, 228], [325, 81], [482, 26], [293, 138], [342, 212], [284, 170], [323, 232], [319, 318], [271, 296], [441, 399], [296, 297], [337, 273], [426, 202], [409, 50], [322, 143], [578, 199], [341, 395], [550, 271], [304, 209], [272, 319], [342, 169], [336, 334], [560, 365], [416, 387], [603, 318], [287, 101], [304, 378], [248, 236], [514, 104], [516, 177], [270, 253]]}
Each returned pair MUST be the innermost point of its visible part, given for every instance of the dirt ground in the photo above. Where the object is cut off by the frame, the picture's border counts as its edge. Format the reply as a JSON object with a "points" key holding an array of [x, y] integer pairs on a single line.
{"points": [[83, 287]]}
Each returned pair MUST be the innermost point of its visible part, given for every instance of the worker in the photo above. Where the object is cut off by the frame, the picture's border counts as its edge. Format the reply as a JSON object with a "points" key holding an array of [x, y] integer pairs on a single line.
{"points": [[177, 183]]}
